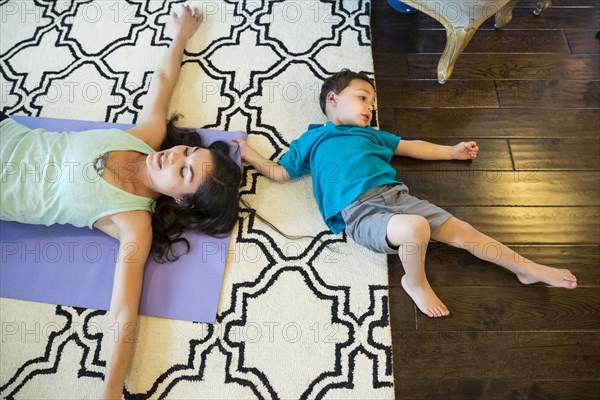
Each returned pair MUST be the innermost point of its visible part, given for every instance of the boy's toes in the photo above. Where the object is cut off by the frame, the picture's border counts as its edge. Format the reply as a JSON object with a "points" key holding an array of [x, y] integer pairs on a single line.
{"points": [[571, 283], [437, 312], [571, 280]]}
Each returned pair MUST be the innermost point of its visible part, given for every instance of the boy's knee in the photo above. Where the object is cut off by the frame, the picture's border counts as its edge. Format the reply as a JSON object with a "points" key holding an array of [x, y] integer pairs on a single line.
{"points": [[410, 228], [420, 225]]}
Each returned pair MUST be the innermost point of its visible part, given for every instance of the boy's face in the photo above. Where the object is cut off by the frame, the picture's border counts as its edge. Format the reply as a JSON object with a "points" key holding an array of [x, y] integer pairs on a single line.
{"points": [[352, 106]]}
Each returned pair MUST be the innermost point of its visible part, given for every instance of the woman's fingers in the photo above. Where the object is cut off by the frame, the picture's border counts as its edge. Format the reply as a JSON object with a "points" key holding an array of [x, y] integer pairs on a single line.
{"points": [[187, 21]]}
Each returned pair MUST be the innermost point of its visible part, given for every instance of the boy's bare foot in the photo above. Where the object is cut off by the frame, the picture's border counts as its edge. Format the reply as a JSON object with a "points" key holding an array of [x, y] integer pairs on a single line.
{"points": [[552, 276], [425, 298]]}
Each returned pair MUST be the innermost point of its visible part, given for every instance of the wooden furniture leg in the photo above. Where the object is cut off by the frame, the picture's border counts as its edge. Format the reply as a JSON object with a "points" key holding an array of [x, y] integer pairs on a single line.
{"points": [[504, 15], [456, 41], [461, 18], [541, 6]]}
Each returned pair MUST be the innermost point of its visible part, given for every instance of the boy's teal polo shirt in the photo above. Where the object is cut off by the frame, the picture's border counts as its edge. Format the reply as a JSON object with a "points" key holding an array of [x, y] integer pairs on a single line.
{"points": [[344, 161]]}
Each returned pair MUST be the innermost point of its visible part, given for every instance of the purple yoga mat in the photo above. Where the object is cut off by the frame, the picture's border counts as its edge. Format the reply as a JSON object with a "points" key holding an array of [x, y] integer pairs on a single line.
{"points": [[62, 264]]}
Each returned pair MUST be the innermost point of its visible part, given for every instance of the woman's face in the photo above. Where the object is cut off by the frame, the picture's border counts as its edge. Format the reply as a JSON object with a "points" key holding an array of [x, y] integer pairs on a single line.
{"points": [[179, 170]]}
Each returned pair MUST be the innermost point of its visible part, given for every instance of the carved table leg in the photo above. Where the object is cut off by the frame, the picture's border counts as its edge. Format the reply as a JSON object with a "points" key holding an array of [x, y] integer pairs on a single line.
{"points": [[541, 6], [456, 41], [504, 15]]}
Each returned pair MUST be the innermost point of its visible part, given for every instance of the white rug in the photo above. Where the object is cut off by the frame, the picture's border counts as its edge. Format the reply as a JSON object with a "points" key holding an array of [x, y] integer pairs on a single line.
{"points": [[296, 319]]}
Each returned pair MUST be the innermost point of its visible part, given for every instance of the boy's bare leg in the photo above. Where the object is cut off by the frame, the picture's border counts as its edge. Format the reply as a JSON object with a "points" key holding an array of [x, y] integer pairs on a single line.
{"points": [[460, 234], [411, 234]]}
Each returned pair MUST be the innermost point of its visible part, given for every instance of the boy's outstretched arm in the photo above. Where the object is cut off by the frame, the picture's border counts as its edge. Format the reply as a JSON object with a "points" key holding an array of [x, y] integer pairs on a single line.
{"points": [[428, 151], [268, 168]]}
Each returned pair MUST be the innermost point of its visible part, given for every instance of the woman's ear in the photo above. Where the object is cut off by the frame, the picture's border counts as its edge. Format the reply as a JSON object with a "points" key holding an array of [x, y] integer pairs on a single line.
{"points": [[183, 202]]}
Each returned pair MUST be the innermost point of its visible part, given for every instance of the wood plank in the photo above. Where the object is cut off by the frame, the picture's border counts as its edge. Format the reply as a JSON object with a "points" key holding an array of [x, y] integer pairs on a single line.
{"points": [[449, 266], [386, 119], [512, 309], [551, 18], [492, 389], [383, 4], [390, 39], [391, 65], [575, 3], [527, 187], [508, 66], [502, 123], [572, 154], [557, 154], [494, 154], [534, 225], [402, 311], [583, 42], [429, 93], [496, 355], [548, 93]]}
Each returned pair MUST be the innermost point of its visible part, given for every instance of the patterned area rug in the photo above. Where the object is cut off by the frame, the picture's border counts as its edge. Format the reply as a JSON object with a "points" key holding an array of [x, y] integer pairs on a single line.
{"points": [[306, 318]]}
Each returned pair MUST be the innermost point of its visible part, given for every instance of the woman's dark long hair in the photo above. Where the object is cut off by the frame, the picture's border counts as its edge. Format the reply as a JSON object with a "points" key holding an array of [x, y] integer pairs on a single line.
{"points": [[212, 209]]}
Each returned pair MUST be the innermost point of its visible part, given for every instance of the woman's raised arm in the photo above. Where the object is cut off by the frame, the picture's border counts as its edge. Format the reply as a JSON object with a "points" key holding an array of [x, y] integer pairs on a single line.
{"points": [[152, 123]]}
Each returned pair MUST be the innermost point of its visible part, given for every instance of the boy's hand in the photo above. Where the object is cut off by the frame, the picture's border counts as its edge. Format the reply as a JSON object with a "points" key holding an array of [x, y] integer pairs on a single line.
{"points": [[188, 22], [465, 151]]}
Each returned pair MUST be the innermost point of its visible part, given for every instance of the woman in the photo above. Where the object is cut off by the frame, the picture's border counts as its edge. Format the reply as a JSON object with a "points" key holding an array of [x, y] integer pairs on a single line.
{"points": [[140, 189]]}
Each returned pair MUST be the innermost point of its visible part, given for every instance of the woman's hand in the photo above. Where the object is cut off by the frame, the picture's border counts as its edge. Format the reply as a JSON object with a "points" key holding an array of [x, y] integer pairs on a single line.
{"points": [[187, 23], [465, 151], [268, 168], [246, 151]]}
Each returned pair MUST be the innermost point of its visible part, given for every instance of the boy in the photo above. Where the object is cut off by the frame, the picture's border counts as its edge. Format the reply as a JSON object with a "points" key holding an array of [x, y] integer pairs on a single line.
{"points": [[355, 189]]}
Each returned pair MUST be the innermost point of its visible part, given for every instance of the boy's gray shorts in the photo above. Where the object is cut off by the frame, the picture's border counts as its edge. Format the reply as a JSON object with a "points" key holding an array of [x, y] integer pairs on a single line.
{"points": [[367, 217]]}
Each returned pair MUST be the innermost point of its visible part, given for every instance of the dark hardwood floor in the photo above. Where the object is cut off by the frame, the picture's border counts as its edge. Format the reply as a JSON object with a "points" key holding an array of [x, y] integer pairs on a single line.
{"points": [[530, 95]]}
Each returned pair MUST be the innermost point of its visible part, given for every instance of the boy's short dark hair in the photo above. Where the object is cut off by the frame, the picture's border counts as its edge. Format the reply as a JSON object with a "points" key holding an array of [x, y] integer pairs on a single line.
{"points": [[338, 82]]}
